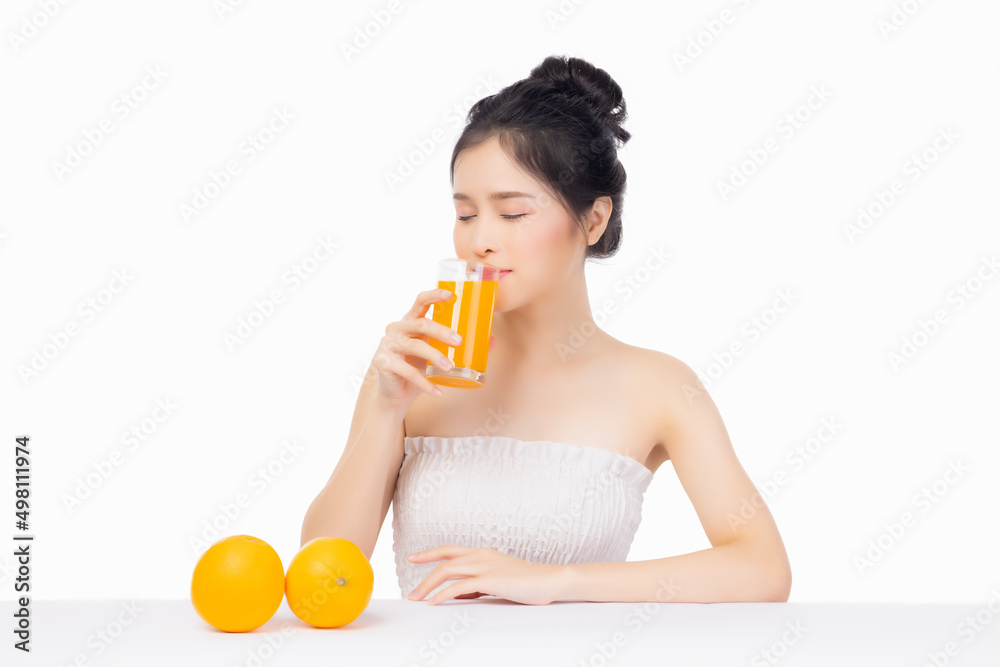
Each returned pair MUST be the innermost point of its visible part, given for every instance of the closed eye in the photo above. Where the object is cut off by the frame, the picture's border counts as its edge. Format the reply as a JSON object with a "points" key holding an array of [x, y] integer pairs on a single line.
{"points": [[465, 218]]}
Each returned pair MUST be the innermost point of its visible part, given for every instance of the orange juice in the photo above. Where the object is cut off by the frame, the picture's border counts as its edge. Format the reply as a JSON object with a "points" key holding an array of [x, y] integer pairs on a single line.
{"points": [[470, 313]]}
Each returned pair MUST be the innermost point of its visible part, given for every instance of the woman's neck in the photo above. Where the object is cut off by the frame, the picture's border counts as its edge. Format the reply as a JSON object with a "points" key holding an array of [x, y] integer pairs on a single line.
{"points": [[550, 332]]}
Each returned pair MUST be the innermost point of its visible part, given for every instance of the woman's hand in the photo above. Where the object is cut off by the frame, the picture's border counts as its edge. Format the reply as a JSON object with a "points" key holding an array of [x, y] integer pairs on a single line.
{"points": [[485, 571], [402, 356]]}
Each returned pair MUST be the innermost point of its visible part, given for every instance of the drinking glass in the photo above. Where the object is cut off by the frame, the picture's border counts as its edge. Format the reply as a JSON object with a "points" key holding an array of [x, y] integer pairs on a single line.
{"points": [[473, 285]]}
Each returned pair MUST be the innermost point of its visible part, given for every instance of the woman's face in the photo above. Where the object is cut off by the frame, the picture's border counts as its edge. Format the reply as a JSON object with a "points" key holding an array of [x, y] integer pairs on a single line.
{"points": [[531, 234]]}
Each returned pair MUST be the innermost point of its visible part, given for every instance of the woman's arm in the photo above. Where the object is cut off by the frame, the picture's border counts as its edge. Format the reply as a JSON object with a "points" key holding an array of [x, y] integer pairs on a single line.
{"points": [[355, 500], [731, 572], [747, 561]]}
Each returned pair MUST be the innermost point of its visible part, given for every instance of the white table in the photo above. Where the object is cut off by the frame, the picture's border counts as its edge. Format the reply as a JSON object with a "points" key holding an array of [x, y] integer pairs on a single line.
{"points": [[492, 631]]}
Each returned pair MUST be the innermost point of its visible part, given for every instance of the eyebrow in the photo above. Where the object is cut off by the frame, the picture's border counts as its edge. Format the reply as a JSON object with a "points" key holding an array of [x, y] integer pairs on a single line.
{"points": [[458, 196]]}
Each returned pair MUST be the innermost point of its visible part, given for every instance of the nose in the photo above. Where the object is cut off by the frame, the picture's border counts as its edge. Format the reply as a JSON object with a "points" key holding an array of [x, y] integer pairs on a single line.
{"points": [[485, 236]]}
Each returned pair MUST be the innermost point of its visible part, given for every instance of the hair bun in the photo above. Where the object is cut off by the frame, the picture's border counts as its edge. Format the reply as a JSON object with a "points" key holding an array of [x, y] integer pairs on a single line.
{"points": [[575, 76]]}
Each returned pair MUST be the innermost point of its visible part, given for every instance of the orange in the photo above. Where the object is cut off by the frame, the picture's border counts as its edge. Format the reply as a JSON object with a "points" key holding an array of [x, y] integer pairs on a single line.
{"points": [[329, 582], [238, 583]]}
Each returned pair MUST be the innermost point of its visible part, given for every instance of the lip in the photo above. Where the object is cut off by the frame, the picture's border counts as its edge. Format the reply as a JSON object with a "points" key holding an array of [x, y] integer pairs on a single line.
{"points": [[503, 272]]}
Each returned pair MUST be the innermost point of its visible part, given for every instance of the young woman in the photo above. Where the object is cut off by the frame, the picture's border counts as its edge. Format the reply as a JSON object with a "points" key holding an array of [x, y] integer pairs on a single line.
{"points": [[530, 488]]}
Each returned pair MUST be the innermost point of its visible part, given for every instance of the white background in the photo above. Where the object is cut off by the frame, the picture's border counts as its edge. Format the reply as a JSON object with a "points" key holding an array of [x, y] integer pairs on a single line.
{"points": [[162, 336]]}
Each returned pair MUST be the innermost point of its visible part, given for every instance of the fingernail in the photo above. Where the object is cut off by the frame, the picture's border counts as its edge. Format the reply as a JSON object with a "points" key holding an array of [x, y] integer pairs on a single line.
{"points": [[455, 338]]}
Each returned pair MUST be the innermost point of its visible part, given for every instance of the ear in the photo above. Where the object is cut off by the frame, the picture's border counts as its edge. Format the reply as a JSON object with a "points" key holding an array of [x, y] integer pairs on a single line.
{"points": [[598, 218]]}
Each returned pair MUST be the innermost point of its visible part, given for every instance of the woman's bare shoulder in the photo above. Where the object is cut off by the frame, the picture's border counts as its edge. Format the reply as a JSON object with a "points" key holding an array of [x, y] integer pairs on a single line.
{"points": [[667, 382], [654, 363]]}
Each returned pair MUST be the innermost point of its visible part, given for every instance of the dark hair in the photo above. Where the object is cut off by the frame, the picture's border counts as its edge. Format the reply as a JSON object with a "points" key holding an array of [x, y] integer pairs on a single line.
{"points": [[562, 124]]}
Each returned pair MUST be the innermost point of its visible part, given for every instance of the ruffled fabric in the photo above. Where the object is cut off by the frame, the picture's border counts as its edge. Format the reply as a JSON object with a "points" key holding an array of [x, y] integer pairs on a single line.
{"points": [[542, 501]]}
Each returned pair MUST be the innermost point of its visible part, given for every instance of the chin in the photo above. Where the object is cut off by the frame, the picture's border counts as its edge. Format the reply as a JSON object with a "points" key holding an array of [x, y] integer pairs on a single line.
{"points": [[507, 305], [502, 303]]}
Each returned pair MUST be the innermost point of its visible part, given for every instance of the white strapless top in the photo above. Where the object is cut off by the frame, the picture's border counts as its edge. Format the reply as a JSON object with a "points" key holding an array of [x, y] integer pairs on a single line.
{"points": [[542, 501]]}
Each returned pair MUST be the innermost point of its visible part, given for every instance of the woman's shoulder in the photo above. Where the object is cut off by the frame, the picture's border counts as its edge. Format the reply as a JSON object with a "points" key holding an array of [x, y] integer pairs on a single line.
{"points": [[665, 378], [646, 361]]}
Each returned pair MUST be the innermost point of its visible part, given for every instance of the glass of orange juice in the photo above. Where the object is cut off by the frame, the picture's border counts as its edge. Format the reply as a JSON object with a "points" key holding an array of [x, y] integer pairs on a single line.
{"points": [[473, 285]]}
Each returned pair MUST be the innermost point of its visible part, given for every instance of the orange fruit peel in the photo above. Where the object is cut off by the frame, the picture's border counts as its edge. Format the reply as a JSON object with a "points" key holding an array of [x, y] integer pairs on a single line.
{"points": [[329, 582], [238, 583]]}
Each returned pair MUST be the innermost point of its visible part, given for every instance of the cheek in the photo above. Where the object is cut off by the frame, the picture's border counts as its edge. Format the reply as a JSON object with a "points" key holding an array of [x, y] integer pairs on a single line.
{"points": [[460, 239], [541, 231], [547, 239]]}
